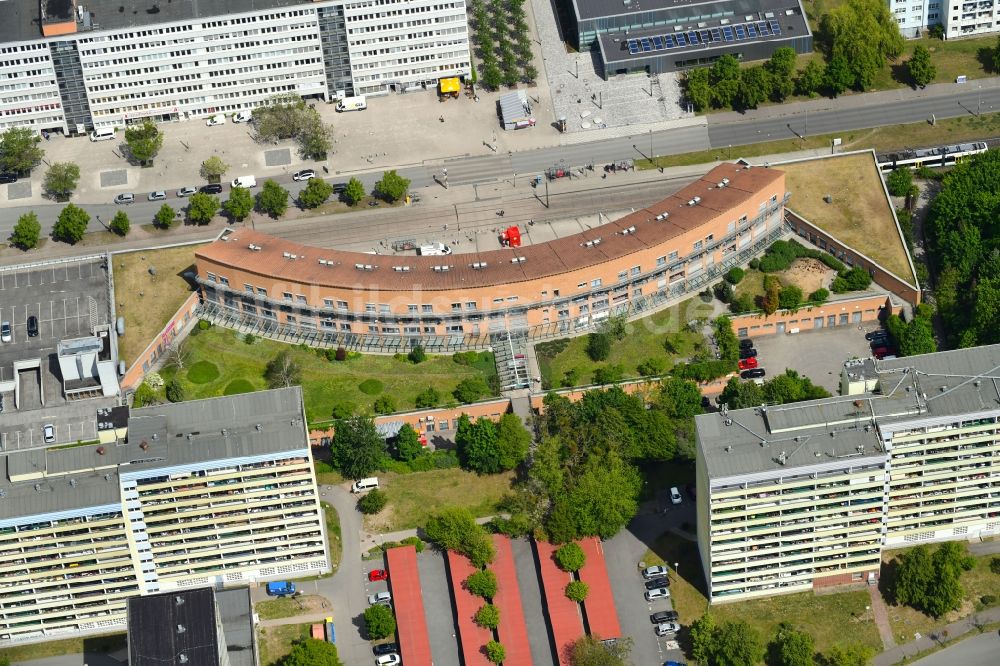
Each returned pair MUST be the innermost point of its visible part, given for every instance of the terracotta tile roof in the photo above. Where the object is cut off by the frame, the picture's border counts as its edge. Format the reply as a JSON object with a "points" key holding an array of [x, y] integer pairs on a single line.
{"points": [[304, 264]]}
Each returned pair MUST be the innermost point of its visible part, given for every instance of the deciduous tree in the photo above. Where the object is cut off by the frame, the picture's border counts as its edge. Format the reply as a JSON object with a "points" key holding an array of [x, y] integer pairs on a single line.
{"points": [[379, 622], [407, 443], [315, 193], [164, 217], [71, 224], [392, 186], [698, 89], [20, 150], [570, 557], [239, 204], [920, 68], [272, 199], [26, 231], [513, 441], [312, 652], [283, 371], [357, 448], [213, 169], [144, 141], [61, 179], [120, 223], [202, 208], [354, 192], [792, 647]]}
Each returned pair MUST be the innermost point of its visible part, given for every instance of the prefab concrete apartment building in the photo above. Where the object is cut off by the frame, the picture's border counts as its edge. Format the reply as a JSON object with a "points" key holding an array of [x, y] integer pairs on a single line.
{"points": [[805, 495], [74, 65], [217, 492], [958, 18]]}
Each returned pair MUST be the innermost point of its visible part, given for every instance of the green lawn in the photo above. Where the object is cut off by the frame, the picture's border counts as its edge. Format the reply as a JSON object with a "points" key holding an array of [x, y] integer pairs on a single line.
{"points": [[414, 497], [275, 609], [276, 642], [334, 545], [976, 583], [101, 644], [829, 618], [645, 338], [221, 363]]}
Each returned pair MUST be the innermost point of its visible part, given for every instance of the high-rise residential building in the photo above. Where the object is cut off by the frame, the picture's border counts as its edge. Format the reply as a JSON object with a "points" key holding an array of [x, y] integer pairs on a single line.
{"points": [[804, 495], [73, 65], [217, 492], [961, 18]]}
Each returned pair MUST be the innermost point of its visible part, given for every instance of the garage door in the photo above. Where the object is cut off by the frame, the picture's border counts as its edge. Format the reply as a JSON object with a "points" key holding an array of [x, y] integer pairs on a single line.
{"points": [[818, 322], [780, 328], [856, 317]]}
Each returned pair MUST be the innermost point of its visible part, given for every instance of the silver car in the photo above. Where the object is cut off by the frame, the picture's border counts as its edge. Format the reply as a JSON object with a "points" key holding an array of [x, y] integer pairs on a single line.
{"points": [[157, 196], [379, 598], [667, 628], [125, 198], [186, 191]]}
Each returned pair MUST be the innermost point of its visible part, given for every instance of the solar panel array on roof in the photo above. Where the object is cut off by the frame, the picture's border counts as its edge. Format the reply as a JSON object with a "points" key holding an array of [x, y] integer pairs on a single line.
{"points": [[706, 37]]}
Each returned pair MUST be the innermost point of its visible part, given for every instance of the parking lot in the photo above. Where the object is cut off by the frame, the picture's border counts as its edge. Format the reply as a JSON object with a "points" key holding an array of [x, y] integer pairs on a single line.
{"points": [[67, 300], [817, 354]]}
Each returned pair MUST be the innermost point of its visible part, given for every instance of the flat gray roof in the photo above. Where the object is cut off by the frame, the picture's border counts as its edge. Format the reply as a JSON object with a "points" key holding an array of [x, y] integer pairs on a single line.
{"points": [[943, 384], [22, 17], [173, 628], [591, 9], [169, 435], [237, 625]]}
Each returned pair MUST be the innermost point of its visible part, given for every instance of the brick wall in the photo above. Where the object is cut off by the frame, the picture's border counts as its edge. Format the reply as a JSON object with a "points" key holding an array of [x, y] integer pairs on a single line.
{"points": [[850, 311], [843, 579], [145, 361]]}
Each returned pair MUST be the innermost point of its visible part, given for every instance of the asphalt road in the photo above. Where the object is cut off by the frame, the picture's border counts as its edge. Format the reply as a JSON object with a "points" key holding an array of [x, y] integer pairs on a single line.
{"points": [[979, 650]]}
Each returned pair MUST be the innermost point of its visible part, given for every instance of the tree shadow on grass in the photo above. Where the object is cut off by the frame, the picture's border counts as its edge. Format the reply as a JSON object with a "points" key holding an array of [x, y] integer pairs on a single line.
{"points": [[888, 576]]}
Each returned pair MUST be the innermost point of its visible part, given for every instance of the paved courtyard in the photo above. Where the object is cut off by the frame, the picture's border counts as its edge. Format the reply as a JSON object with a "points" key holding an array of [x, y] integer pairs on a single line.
{"points": [[588, 102], [817, 354]]}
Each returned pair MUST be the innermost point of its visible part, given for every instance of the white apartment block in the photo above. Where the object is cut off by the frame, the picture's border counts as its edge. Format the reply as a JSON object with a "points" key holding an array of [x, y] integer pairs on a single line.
{"points": [[958, 19], [806, 495], [86, 64], [217, 492]]}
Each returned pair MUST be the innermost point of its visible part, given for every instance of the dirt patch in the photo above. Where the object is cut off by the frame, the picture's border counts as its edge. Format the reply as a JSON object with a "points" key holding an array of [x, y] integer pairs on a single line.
{"points": [[382, 521], [808, 275], [858, 214]]}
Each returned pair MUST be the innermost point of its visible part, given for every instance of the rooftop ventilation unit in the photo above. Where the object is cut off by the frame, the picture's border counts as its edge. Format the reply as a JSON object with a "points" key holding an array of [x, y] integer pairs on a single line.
{"points": [[259, 427], [286, 255], [518, 260], [691, 202], [360, 267], [254, 248], [629, 230], [442, 269], [369, 267], [401, 269], [662, 216], [479, 265]]}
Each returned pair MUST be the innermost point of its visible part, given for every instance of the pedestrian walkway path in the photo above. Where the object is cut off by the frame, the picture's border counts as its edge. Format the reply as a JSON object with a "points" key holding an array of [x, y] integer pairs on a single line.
{"points": [[949, 632], [881, 613]]}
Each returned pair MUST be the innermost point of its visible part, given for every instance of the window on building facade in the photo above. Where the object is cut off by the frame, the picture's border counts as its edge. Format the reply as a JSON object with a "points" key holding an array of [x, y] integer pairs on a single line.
{"points": [[261, 291], [248, 288], [697, 245], [596, 282], [300, 298], [341, 305], [328, 302], [287, 295], [622, 276], [383, 308], [456, 307], [369, 307], [211, 277], [635, 270], [411, 308], [673, 256], [661, 261], [224, 280], [470, 305], [427, 308]]}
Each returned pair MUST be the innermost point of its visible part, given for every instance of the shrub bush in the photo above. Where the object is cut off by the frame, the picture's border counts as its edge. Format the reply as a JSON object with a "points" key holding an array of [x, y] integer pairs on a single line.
{"points": [[742, 303], [371, 387], [819, 296], [341, 354], [609, 374], [570, 557], [598, 346], [995, 565], [735, 275], [723, 291], [496, 652], [899, 181], [429, 397], [202, 372], [754, 263], [343, 410], [988, 600], [175, 392], [652, 366], [488, 616], [204, 324], [790, 297], [577, 591], [414, 541], [705, 295], [482, 584], [249, 339], [384, 404], [417, 355], [470, 389], [373, 502]]}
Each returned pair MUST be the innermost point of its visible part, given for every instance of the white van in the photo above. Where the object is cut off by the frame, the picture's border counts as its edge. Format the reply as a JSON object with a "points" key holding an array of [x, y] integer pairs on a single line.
{"points": [[361, 485], [434, 250], [245, 181], [352, 104], [103, 134]]}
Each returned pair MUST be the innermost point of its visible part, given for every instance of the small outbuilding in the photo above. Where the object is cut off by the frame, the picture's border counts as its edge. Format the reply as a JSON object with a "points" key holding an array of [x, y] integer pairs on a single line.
{"points": [[515, 110]]}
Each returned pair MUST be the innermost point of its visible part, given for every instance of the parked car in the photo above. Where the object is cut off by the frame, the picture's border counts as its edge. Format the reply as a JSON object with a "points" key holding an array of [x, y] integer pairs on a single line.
{"points": [[378, 574], [675, 495], [217, 119], [747, 352], [32, 326], [305, 174], [877, 333], [212, 188], [388, 660], [746, 343], [8, 177], [385, 648], [159, 195], [379, 598], [339, 188], [658, 593], [747, 363], [242, 117], [662, 581], [5, 333], [49, 432], [880, 352], [753, 373], [663, 616], [280, 588], [667, 628], [654, 572], [186, 191], [125, 198]]}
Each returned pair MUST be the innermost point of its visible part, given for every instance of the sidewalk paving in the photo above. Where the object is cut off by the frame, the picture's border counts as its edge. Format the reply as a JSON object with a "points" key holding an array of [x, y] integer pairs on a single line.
{"points": [[949, 632]]}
